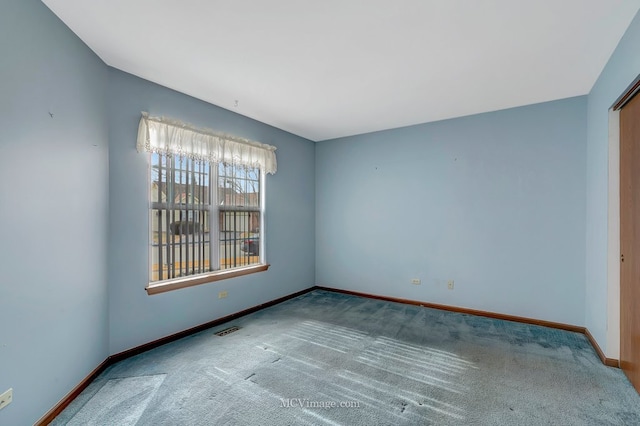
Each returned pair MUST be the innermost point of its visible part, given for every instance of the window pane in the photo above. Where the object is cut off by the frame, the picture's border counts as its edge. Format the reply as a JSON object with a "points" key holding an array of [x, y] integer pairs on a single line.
{"points": [[238, 186], [239, 238], [180, 212], [239, 189]]}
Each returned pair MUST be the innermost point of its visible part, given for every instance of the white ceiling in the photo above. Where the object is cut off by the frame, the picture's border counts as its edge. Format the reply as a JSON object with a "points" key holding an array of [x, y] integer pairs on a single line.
{"points": [[323, 69]]}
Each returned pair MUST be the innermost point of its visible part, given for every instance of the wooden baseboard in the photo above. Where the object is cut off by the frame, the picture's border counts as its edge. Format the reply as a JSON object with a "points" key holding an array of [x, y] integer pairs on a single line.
{"points": [[611, 362], [164, 340], [583, 330], [64, 402], [57, 409]]}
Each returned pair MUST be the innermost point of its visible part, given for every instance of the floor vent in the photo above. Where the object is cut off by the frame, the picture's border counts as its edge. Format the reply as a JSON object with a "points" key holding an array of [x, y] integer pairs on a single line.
{"points": [[227, 331]]}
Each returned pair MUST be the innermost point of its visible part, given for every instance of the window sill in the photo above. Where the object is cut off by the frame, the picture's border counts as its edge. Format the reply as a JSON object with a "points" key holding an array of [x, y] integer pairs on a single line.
{"points": [[178, 283]]}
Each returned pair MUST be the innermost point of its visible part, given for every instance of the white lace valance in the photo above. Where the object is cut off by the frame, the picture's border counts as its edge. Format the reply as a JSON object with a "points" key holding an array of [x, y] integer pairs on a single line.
{"points": [[166, 136]]}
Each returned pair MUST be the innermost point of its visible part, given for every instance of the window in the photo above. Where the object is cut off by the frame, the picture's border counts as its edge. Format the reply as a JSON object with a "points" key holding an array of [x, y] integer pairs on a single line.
{"points": [[206, 204], [204, 217]]}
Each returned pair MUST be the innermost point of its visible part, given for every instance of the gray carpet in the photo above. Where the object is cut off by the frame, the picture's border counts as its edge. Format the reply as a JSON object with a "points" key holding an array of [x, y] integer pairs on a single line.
{"points": [[330, 359], [119, 401]]}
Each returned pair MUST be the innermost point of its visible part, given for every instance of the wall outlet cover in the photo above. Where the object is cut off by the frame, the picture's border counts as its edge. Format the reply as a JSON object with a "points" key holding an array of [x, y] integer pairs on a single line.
{"points": [[6, 398]]}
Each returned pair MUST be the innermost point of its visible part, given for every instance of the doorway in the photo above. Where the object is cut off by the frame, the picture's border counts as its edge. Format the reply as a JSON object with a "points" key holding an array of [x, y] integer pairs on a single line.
{"points": [[630, 238]]}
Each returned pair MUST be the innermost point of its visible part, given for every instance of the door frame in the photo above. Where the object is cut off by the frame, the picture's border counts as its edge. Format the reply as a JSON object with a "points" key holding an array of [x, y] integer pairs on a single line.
{"points": [[613, 240], [613, 222]]}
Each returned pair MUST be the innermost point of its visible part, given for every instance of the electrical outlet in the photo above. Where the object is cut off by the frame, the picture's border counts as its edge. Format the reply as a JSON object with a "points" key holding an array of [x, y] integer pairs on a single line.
{"points": [[450, 284], [223, 294], [6, 398], [416, 281]]}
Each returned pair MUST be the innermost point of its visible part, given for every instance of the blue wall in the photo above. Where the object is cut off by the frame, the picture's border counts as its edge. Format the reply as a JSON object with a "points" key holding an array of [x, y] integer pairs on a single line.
{"points": [[136, 318], [54, 210], [494, 202], [623, 67]]}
